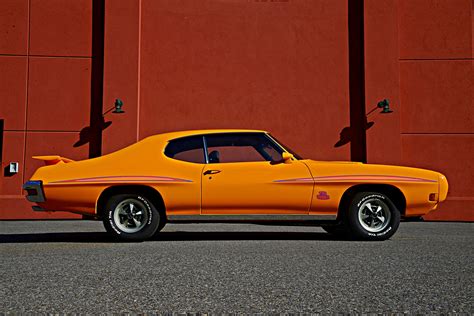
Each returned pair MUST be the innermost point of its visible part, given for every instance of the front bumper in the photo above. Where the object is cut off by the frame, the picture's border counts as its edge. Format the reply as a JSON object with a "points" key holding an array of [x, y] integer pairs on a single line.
{"points": [[34, 191]]}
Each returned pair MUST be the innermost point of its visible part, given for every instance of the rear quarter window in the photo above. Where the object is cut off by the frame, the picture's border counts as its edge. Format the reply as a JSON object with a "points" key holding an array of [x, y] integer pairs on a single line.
{"points": [[189, 149]]}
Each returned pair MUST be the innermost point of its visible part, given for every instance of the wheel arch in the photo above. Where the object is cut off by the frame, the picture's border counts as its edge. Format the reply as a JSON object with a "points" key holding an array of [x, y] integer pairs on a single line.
{"points": [[392, 192], [151, 193]]}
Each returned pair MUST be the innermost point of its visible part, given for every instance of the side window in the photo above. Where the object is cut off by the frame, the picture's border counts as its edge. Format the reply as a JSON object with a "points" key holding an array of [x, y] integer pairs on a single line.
{"points": [[273, 153], [241, 147], [188, 149]]}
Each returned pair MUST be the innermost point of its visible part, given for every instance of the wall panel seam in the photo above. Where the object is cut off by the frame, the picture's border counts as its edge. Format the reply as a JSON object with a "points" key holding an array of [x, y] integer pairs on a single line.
{"points": [[27, 90], [436, 59], [440, 133], [39, 131], [44, 56], [139, 67]]}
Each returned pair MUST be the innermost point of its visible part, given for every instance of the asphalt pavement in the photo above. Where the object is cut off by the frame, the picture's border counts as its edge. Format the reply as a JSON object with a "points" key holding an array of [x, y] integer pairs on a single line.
{"points": [[74, 267]]}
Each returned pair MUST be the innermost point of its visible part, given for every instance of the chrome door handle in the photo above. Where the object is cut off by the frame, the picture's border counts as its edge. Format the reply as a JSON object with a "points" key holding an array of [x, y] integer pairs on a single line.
{"points": [[211, 172]]}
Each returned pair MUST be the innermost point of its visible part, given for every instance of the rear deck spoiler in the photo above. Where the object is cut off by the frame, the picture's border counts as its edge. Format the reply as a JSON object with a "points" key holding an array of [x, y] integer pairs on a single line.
{"points": [[52, 160]]}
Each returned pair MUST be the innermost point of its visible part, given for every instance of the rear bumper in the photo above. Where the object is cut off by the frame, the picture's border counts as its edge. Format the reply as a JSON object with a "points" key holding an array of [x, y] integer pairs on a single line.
{"points": [[34, 190], [443, 188]]}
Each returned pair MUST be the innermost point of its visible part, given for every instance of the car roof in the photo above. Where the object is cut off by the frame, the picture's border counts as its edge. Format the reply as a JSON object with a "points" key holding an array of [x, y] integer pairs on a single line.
{"points": [[178, 134]]}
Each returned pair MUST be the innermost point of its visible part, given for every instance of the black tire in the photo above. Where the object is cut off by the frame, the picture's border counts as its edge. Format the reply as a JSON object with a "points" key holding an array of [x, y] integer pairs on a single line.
{"points": [[160, 227], [131, 217], [372, 216], [338, 230]]}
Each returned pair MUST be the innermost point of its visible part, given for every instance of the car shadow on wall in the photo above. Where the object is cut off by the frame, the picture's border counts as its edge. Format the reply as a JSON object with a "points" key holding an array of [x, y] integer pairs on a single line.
{"points": [[103, 237]]}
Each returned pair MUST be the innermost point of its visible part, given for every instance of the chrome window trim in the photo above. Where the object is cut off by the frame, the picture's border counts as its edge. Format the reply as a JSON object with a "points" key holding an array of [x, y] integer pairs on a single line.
{"points": [[204, 142], [295, 155], [275, 142]]}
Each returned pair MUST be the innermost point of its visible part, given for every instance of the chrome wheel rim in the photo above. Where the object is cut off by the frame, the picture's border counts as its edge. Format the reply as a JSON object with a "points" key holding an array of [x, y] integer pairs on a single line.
{"points": [[374, 215], [130, 215]]}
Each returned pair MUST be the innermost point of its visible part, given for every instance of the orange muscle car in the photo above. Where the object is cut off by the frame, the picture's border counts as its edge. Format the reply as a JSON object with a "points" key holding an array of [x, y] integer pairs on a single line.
{"points": [[228, 176]]}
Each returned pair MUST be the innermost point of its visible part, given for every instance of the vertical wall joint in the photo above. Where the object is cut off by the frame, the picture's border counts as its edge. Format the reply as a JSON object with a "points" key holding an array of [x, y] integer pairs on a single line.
{"points": [[97, 78], [358, 119]]}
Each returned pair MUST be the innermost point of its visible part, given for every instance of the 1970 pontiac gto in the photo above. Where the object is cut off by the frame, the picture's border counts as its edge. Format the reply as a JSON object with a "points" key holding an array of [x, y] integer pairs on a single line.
{"points": [[232, 176]]}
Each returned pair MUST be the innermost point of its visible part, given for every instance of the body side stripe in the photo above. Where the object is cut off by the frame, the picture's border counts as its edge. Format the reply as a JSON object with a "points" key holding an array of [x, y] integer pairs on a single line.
{"points": [[349, 178], [119, 179], [371, 177], [295, 180]]}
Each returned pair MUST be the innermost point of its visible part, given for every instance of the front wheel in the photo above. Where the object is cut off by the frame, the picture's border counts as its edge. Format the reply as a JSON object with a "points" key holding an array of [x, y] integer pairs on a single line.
{"points": [[131, 217], [372, 216], [338, 230]]}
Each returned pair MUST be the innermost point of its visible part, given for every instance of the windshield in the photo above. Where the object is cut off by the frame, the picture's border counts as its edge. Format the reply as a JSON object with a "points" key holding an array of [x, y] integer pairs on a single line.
{"points": [[288, 149]]}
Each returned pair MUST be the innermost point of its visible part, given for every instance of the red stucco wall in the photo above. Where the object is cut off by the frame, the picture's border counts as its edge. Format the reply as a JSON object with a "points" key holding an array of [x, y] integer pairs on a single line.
{"points": [[419, 55], [275, 65]]}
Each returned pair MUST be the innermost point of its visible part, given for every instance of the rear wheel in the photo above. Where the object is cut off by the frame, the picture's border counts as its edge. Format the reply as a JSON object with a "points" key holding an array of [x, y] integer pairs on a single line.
{"points": [[131, 217], [372, 216], [160, 227]]}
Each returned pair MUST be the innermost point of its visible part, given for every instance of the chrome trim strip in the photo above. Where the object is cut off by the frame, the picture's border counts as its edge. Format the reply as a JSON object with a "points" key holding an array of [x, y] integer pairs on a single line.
{"points": [[204, 142], [250, 218]]}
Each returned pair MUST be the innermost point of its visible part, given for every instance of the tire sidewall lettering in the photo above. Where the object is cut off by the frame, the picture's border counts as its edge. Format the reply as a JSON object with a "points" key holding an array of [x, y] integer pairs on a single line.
{"points": [[150, 213], [365, 198], [389, 228], [111, 221]]}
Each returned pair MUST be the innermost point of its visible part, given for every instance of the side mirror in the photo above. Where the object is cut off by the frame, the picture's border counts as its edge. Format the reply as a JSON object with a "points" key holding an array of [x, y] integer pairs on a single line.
{"points": [[287, 157]]}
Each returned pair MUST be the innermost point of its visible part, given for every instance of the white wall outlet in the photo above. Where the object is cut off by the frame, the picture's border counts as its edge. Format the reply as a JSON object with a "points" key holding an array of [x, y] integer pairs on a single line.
{"points": [[13, 167]]}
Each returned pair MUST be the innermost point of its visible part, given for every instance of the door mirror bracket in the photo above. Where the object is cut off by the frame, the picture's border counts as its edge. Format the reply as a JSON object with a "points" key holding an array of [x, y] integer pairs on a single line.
{"points": [[287, 157]]}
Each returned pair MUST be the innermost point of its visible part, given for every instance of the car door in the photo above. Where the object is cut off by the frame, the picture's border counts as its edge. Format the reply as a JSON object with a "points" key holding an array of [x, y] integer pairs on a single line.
{"points": [[186, 161], [245, 174]]}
